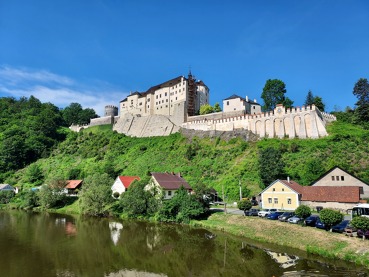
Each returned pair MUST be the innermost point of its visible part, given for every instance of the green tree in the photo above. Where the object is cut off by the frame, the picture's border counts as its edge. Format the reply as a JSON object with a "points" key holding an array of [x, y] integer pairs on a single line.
{"points": [[303, 211], [34, 174], [287, 103], [309, 99], [318, 102], [181, 208], [330, 217], [271, 165], [137, 201], [6, 196], [206, 109], [52, 195], [273, 93], [75, 114], [96, 196], [217, 108], [360, 222], [244, 205], [361, 91]]}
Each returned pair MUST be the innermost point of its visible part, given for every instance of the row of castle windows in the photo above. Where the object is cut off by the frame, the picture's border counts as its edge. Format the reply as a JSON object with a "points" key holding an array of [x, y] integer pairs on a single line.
{"points": [[270, 201]]}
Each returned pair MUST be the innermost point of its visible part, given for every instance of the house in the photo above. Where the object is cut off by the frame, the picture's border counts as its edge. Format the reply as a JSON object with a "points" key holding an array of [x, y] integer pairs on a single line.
{"points": [[6, 187], [238, 103], [282, 194], [288, 195], [73, 186], [167, 183], [122, 183], [338, 177]]}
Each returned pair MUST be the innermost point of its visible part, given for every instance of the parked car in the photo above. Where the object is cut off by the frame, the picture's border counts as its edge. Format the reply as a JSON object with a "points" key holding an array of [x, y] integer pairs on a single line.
{"points": [[265, 212], [251, 212], [340, 227], [319, 224], [295, 219], [311, 220], [361, 234], [350, 230], [285, 216], [274, 215]]}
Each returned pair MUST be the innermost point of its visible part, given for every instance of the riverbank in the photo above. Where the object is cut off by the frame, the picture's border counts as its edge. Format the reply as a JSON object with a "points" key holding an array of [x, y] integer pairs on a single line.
{"points": [[312, 240]]}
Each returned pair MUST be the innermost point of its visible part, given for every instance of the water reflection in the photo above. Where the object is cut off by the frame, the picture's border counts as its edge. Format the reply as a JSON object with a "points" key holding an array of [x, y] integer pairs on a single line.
{"points": [[59, 245]]}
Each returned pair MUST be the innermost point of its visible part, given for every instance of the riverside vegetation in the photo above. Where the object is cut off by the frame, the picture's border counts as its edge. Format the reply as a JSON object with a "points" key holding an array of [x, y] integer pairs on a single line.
{"points": [[98, 155]]}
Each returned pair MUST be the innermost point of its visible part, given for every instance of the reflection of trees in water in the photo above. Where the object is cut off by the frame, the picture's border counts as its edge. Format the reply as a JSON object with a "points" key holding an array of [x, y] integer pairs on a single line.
{"points": [[247, 252]]}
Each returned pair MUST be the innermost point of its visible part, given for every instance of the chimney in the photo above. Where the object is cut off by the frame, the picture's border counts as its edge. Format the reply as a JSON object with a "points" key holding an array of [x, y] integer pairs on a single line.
{"points": [[247, 98], [255, 100], [288, 179]]}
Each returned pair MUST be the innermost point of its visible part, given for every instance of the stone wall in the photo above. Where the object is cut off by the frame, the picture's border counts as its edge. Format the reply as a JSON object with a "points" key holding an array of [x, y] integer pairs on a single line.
{"points": [[343, 207]]}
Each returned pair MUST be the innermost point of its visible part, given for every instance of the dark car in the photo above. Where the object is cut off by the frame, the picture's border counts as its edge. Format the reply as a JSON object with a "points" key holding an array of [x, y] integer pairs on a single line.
{"points": [[274, 216], [340, 227], [319, 224], [285, 216], [361, 234], [311, 220], [251, 212]]}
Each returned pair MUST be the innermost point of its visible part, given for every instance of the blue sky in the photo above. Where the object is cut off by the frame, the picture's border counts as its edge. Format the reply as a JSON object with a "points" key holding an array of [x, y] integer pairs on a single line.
{"points": [[95, 52]]}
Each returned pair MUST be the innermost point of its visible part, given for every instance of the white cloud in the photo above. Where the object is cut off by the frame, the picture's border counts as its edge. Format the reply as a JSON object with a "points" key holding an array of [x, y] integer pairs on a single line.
{"points": [[59, 90]]}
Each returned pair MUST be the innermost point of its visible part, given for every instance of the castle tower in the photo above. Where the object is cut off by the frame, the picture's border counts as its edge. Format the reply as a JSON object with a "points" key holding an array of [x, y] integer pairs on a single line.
{"points": [[191, 95], [111, 110]]}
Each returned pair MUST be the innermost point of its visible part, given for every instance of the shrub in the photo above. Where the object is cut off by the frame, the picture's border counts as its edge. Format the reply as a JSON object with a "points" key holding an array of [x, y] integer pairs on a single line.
{"points": [[6, 196], [244, 205], [303, 211], [360, 222], [330, 217]]}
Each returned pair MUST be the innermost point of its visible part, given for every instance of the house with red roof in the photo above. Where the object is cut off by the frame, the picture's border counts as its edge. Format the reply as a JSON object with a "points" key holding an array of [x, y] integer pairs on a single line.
{"points": [[288, 195], [167, 183], [122, 183], [73, 186]]}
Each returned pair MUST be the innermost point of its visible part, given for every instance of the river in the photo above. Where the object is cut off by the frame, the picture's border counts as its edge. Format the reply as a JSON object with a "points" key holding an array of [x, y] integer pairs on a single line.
{"points": [[45, 245]]}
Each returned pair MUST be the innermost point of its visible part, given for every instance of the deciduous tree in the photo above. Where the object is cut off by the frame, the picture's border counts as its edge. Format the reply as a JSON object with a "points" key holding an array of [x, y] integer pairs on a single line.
{"points": [[361, 91], [273, 93]]}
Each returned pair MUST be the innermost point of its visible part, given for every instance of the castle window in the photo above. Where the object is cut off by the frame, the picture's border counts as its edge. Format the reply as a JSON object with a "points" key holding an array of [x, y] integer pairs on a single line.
{"points": [[131, 102], [254, 107], [166, 106], [176, 98], [156, 103], [342, 178], [140, 104], [148, 106], [332, 178], [156, 97], [166, 94], [148, 99], [166, 100], [227, 103], [160, 95]]}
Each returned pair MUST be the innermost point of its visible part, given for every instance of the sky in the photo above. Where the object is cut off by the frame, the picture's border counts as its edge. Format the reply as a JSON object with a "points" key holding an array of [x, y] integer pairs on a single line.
{"points": [[95, 52]]}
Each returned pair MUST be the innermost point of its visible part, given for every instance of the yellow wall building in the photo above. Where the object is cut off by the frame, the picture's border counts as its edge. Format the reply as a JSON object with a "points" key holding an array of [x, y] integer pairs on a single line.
{"points": [[281, 194]]}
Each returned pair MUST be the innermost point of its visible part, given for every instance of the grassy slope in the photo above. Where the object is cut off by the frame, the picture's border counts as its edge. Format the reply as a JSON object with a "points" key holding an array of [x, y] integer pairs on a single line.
{"points": [[213, 162], [312, 240]]}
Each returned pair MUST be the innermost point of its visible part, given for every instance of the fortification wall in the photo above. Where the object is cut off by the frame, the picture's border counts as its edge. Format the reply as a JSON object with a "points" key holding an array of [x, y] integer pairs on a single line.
{"points": [[102, 120]]}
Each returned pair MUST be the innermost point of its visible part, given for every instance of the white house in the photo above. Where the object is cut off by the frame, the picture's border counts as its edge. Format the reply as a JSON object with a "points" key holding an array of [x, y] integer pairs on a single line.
{"points": [[122, 183]]}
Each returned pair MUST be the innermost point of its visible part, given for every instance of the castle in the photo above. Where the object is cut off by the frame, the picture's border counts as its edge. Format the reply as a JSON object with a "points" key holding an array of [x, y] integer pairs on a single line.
{"points": [[166, 108]]}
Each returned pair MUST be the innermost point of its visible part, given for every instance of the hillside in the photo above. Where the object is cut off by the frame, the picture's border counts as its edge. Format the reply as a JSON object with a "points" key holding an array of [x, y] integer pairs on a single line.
{"points": [[211, 162]]}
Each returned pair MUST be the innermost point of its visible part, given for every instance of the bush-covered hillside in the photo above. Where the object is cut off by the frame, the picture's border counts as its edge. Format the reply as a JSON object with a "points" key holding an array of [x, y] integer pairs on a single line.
{"points": [[211, 162]]}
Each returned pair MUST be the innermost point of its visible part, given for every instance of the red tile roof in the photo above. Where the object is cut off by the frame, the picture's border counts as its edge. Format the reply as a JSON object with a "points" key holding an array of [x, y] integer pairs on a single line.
{"points": [[73, 184], [293, 185], [128, 180], [170, 180], [331, 194]]}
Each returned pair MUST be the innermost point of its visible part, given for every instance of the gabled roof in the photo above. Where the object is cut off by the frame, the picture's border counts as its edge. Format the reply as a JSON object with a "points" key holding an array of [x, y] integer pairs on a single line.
{"points": [[128, 180], [72, 184], [169, 83], [291, 184], [331, 194], [170, 180], [329, 171], [6, 187]]}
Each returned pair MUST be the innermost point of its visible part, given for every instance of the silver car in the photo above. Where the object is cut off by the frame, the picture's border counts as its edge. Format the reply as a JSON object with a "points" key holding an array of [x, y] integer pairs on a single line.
{"points": [[295, 219]]}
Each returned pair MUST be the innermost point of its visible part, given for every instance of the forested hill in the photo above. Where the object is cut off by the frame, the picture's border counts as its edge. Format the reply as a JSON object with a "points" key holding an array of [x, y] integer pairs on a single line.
{"points": [[215, 163]]}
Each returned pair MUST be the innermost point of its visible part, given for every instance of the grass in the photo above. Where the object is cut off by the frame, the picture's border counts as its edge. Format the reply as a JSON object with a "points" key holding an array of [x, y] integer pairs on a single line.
{"points": [[311, 240]]}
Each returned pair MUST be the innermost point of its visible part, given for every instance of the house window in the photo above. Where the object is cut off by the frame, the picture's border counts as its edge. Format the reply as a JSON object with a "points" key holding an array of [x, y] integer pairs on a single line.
{"points": [[169, 193], [273, 189], [332, 178], [337, 178], [361, 190], [342, 178], [270, 200], [282, 189], [275, 200], [289, 201]]}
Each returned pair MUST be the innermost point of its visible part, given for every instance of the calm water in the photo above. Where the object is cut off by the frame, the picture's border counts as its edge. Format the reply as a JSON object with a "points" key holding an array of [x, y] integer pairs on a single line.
{"points": [[59, 245]]}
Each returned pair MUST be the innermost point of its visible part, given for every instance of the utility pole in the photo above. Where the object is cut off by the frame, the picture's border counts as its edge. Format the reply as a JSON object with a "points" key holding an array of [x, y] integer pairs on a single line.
{"points": [[240, 190]]}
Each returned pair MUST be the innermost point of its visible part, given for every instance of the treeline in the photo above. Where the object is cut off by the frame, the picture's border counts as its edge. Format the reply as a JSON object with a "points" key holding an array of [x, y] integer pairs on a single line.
{"points": [[29, 130]]}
